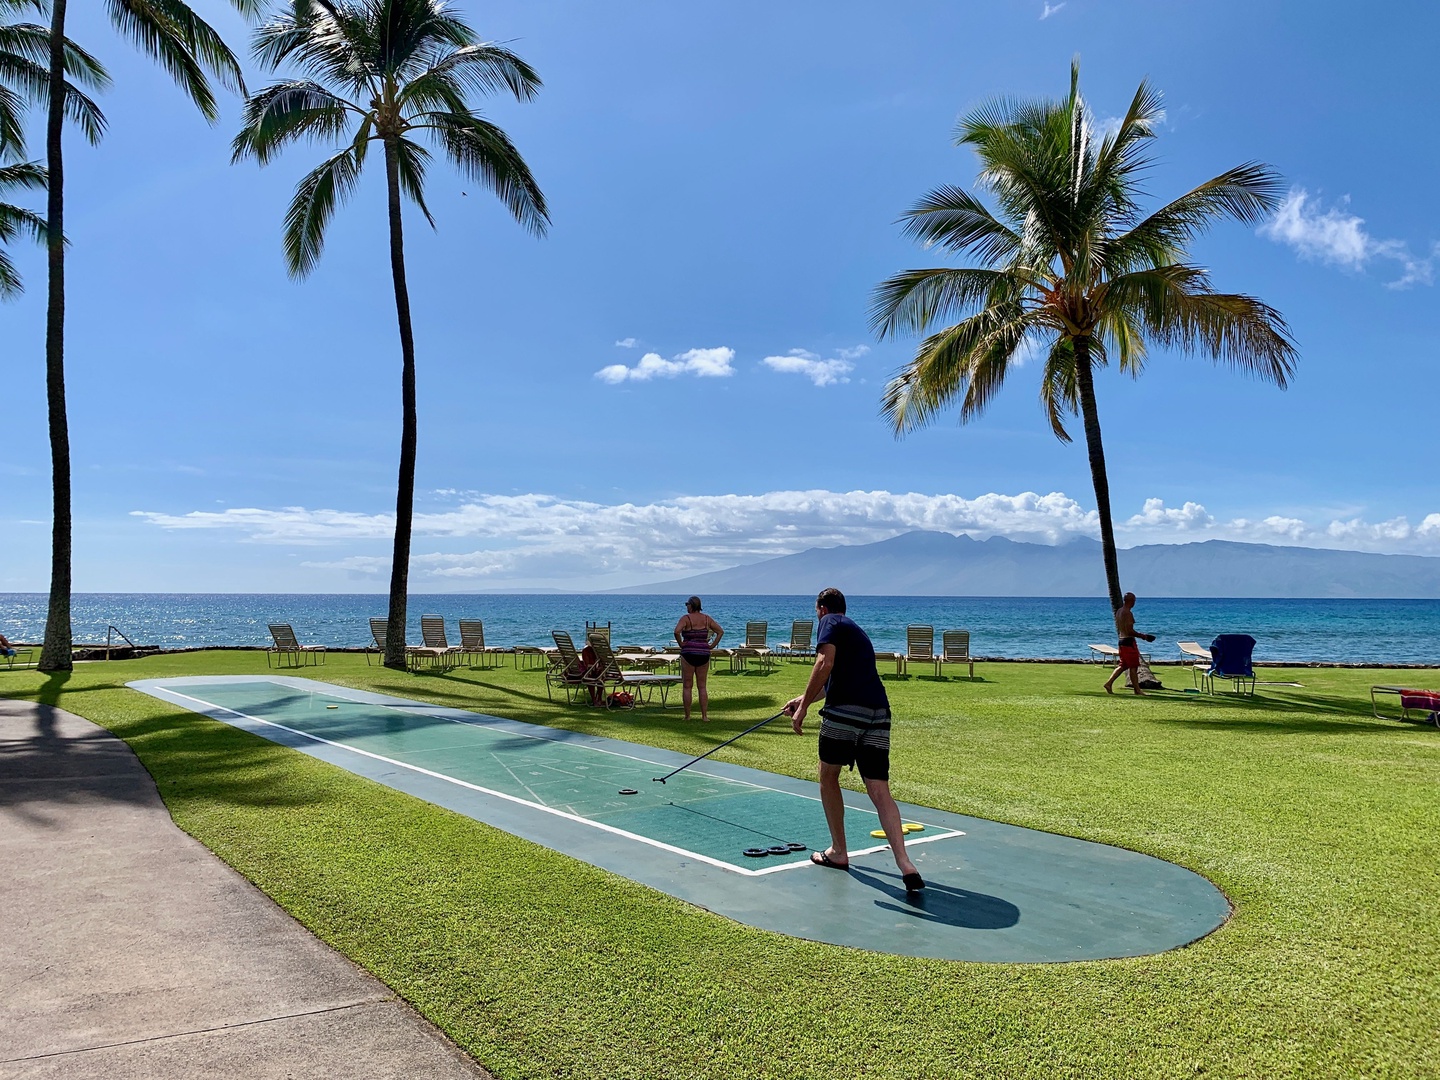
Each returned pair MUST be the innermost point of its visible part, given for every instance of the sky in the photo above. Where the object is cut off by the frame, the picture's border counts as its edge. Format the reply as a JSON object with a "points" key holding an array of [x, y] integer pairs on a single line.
{"points": [[681, 375]]}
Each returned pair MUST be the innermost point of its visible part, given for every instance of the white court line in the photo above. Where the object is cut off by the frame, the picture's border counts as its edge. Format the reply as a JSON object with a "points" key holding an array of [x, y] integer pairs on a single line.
{"points": [[541, 806]]}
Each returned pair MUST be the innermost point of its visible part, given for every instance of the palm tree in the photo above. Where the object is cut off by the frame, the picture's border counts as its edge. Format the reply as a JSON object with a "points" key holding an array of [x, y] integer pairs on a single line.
{"points": [[1072, 270], [186, 47], [386, 71]]}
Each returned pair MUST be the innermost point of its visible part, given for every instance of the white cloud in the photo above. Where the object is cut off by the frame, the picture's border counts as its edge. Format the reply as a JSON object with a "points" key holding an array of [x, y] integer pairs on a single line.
{"points": [[818, 371], [706, 363], [1051, 9], [1157, 515], [540, 540], [1339, 238], [625, 343]]}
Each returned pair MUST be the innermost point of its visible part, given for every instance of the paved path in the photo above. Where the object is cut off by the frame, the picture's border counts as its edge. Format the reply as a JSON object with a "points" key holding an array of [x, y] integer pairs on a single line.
{"points": [[128, 950]]}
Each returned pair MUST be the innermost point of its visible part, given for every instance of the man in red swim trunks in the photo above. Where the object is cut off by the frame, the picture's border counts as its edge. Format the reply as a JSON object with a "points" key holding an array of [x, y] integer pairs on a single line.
{"points": [[1129, 651]]}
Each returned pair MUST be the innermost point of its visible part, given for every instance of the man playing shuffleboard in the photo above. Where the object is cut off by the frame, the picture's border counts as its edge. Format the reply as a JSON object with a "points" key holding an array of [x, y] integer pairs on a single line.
{"points": [[854, 731]]}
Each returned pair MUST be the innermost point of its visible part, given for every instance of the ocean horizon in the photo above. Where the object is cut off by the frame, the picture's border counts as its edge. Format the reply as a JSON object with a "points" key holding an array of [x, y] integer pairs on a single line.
{"points": [[1021, 628]]}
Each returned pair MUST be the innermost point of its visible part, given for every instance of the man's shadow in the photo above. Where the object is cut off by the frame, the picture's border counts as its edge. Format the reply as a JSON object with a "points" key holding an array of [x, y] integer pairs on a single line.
{"points": [[940, 903]]}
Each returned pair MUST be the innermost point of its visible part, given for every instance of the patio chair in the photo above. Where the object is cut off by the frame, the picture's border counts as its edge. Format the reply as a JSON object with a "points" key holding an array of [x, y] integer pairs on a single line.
{"points": [[756, 647], [920, 647], [1230, 659], [801, 630], [472, 644], [288, 652], [568, 671], [607, 676], [1109, 654], [596, 628], [377, 635], [437, 650], [1196, 656], [1426, 703], [955, 649], [14, 656]]}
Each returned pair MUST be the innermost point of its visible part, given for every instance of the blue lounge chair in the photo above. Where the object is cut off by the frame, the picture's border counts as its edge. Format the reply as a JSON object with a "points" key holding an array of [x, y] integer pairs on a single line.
{"points": [[1230, 658]]}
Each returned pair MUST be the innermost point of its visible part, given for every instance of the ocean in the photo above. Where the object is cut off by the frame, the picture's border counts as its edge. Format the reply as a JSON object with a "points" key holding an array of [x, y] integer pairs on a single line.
{"points": [[1343, 631]]}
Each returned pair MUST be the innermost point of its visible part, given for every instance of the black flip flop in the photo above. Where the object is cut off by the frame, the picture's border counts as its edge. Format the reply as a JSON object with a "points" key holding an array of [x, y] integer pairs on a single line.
{"points": [[913, 883], [822, 858]]}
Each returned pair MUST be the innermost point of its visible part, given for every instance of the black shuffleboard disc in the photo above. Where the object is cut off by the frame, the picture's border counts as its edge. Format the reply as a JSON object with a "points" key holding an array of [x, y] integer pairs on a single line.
{"points": [[779, 849], [795, 847], [755, 853], [628, 791]]}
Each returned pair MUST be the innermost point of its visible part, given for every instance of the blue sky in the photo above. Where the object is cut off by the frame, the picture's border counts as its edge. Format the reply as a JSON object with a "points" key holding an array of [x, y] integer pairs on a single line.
{"points": [[724, 182]]}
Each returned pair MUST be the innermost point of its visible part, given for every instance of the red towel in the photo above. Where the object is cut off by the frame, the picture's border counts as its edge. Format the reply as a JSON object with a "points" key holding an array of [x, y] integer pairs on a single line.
{"points": [[1429, 700]]}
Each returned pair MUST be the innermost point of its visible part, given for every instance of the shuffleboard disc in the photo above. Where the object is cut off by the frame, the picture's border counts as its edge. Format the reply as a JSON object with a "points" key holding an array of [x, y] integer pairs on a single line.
{"points": [[879, 834], [793, 846], [628, 791], [332, 706], [913, 826], [778, 849], [755, 853]]}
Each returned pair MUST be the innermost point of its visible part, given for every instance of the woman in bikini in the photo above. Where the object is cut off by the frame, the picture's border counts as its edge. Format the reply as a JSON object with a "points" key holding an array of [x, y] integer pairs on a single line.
{"points": [[692, 633]]}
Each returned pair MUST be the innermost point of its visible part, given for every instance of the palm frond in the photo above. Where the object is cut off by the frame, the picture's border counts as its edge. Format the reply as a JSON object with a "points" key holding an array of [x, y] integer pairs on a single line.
{"points": [[412, 160], [485, 153], [288, 112], [968, 360], [10, 281], [32, 41], [316, 197], [1233, 329], [1249, 193], [487, 68], [1059, 389], [957, 221], [912, 301], [169, 32]]}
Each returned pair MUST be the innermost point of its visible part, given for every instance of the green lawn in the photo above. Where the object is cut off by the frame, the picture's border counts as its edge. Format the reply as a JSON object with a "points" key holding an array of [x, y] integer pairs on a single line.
{"points": [[1318, 821]]}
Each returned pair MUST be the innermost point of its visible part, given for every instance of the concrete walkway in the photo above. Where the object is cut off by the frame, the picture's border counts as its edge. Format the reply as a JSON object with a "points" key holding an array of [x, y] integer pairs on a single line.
{"points": [[128, 950]]}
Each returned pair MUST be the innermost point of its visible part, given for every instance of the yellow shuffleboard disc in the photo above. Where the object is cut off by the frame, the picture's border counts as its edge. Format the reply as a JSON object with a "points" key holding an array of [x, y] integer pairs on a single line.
{"points": [[332, 706], [908, 827]]}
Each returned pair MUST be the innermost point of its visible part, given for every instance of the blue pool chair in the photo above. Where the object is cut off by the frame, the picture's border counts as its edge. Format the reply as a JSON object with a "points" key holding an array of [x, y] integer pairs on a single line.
{"points": [[1230, 658]]}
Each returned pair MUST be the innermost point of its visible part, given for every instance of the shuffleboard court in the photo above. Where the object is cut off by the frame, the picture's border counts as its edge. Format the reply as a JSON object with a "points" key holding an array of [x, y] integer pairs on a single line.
{"points": [[734, 840]]}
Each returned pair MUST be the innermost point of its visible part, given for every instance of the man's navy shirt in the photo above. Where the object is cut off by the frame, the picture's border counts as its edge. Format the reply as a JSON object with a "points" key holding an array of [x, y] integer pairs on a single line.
{"points": [[853, 679]]}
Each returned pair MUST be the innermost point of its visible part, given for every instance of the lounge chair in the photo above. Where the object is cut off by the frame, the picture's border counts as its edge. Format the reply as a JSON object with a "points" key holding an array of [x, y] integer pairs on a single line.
{"points": [[596, 628], [1424, 702], [920, 647], [1230, 659], [955, 649], [377, 635], [801, 631], [756, 647], [288, 652], [13, 657], [1109, 654], [1197, 656], [472, 644], [608, 677], [436, 650], [568, 671]]}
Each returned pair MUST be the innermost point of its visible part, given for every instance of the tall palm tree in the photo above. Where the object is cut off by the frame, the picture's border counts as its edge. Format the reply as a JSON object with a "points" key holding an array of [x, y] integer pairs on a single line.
{"points": [[1071, 269], [186, 47], [387, 71]]}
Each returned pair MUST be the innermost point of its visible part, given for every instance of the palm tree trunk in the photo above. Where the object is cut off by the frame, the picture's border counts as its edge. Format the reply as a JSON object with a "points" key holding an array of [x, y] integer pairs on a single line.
{"points": [[405, 489], [56, 653], [1085, 383]]}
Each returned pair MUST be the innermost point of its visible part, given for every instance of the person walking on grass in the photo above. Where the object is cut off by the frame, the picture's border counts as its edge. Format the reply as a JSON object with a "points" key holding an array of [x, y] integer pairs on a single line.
{"points": [[1129, 650], [854, 731], [692, 634]]}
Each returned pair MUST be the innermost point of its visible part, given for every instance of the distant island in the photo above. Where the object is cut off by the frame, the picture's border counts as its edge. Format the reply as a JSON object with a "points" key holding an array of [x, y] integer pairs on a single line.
{"points": [[942, 564]]}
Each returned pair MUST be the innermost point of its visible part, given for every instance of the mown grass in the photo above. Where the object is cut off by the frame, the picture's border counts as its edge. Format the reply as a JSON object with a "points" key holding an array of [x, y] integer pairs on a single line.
{"points": [[1318, 821]]}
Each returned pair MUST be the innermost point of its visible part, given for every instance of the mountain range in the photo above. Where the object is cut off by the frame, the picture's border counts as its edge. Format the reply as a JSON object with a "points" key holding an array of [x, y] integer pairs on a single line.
{"points": [[942, 564]]}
